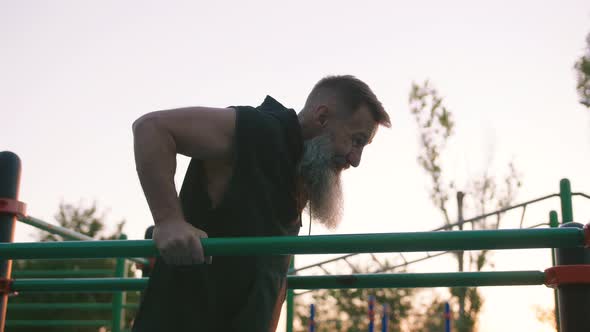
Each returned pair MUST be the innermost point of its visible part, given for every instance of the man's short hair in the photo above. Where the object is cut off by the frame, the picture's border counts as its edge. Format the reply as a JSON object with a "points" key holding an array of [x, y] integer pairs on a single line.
{"points": [[351, 93]]}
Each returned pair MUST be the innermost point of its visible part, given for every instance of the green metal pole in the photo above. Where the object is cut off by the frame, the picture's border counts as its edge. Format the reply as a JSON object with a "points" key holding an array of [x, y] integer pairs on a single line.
{"points": [[553, 219], [65, 233], [325, 244], [290, 296], [62, 273], [419, 280], [56, 323], [460, 257], [565, 196], [117, 314], [395, 280], [79, 285], [554, 223], [68, 306], [574, 299]]}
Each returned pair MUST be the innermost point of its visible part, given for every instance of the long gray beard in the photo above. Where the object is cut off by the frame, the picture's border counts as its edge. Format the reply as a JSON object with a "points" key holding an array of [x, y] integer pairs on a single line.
{"points": [[322, 181]]}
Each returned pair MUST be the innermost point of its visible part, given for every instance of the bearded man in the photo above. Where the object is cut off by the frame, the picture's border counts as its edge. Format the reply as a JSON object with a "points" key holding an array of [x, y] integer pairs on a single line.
{"points": [[252, 172]]}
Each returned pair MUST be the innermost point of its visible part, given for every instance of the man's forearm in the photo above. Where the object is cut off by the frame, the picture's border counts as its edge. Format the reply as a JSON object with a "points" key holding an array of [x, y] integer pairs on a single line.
{"points": [[155, 160]]}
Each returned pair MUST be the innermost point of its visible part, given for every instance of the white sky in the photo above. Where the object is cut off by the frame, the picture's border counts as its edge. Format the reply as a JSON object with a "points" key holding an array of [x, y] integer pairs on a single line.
{"points": [[74, 75]]}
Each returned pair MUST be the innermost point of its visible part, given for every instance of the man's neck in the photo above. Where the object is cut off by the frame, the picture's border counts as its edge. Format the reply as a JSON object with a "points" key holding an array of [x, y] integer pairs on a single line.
{"points": [[306, 132]]}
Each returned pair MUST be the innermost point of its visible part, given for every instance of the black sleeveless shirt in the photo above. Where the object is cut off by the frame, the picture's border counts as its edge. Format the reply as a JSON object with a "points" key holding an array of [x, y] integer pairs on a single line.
{"points": [[234, 293]]}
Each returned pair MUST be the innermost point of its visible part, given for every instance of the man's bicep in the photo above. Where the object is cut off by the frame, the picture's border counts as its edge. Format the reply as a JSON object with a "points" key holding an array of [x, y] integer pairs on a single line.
{"points": [[200, 132]]}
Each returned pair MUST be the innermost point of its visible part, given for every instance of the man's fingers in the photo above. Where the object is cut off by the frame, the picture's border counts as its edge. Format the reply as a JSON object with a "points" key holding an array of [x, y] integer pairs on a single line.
{"points": [[185, 250], [168, 256], [205, 259], [195, 251], [208, 259], [177, 254]]}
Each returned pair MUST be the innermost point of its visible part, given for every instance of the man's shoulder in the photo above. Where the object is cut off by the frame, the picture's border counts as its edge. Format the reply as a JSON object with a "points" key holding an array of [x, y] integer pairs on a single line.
{"points": [[269, 129], [269, 118], [272, 104], [276, 113]]}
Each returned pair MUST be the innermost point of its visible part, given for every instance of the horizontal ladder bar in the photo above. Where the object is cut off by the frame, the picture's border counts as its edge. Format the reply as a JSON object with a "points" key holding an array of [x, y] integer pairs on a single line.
{"points": [[87, 285], [318, 244], [419, 280], [67, 305], [56, 323], [63, 273], [66, 233], [395, 280]]}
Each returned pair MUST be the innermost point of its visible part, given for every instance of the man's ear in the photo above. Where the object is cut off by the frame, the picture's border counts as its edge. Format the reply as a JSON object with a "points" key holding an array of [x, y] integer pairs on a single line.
{"points": [[321, 115]]}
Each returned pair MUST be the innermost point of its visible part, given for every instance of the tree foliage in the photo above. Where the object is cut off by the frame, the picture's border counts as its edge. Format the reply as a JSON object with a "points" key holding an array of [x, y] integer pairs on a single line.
{"points": [[436, 125], [582, 68], [88, 221], [545, 315]]}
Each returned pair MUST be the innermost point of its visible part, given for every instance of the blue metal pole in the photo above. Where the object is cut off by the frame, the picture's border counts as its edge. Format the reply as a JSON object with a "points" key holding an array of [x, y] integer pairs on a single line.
{"points": [[447, 317], [311, 318], [371, 313], [385, 318]]}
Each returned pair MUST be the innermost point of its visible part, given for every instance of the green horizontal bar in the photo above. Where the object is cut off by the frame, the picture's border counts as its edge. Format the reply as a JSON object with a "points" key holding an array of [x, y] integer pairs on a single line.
{"points": [[72, 305], [318, 244], [395, 280], [419, 280], [79, 285], [62, 273], [56, 323], [66, 233]]}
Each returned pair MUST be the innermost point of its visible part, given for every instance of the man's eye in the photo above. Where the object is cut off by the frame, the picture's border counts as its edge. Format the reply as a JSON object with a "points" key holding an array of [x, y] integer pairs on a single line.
{"points": [[358, 142]]}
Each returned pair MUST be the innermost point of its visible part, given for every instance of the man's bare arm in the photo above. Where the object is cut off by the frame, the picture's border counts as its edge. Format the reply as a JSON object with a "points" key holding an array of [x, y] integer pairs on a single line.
{"points": [[200, 132]]}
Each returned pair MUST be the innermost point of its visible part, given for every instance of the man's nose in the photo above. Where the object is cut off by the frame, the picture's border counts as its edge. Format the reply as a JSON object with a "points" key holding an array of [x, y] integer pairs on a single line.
{"points": [[354, 158]]}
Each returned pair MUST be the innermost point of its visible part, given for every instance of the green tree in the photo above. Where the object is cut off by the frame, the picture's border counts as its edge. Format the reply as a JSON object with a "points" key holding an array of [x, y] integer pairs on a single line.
{"points": [[546, 315], [88, 221], [435, 125], [85, 220], [582, 68]]}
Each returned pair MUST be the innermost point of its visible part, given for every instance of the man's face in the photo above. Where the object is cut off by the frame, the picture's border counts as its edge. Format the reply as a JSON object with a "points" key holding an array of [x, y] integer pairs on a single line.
{"points": [[349, 136], [325, 156]]}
